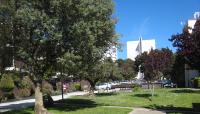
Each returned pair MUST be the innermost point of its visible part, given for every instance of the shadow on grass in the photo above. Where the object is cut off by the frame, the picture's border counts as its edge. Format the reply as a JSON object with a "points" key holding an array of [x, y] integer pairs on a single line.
{"points": [[105, 94], [170, 109], [72, 104], [25, 111], [185, 91], [144, 95]]}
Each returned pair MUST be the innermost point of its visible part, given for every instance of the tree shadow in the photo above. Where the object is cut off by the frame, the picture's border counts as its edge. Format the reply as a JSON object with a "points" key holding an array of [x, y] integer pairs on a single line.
{"points": [[105, 94], [15, 107], [144, 95], [171, 109], [185, 91], [72, 104], [25, 111]]}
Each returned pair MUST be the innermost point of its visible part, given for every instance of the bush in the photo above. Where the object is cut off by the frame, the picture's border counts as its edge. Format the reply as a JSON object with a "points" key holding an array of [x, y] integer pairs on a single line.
{"points": [[15, 76], [197, 82], [47, 88], [77, 86], [136, 88], [1, 95], [28, 84], [7, 83], [19, 93]]}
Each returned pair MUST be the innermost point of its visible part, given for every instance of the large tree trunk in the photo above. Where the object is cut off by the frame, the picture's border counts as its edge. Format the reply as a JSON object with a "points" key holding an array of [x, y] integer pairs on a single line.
{"points": [[39, 106], [92, 87]]}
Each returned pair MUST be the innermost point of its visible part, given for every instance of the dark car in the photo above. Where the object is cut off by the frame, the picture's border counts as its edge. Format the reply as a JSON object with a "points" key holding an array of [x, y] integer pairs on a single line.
{"points": [[168, 83]]}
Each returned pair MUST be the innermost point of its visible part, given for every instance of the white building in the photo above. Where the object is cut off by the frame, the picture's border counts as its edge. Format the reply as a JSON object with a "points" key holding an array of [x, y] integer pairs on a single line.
{"points": [[144, 45], [112, 53], [191, 22]]}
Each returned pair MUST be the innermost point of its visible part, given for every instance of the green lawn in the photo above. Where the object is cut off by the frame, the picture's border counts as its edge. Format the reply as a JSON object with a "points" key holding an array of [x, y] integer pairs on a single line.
{"points": [[174, 99], [72, 110], [178, 98]]}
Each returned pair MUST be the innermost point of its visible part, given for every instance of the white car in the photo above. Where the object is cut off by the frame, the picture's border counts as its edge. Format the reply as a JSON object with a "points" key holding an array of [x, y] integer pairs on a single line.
{"points": [[103, 86]]}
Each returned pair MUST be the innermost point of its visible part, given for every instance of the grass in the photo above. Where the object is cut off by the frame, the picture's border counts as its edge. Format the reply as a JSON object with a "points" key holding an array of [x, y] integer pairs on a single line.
{"points": [[74, 110], [163, 98], [173, 99]]}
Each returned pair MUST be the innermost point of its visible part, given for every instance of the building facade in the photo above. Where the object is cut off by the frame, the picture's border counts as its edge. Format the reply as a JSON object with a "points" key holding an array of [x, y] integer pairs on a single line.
{"points": [[134, 48]]}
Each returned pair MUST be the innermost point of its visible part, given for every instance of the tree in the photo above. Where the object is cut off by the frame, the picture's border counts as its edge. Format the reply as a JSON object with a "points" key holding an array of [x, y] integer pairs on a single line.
{"points": [[139, 61], [156, 64], [127, 68], [188, 45], [69, 64], [5, 36], [87, 31], [105, 70], [178, 70], [35, 37], [161, 61]]}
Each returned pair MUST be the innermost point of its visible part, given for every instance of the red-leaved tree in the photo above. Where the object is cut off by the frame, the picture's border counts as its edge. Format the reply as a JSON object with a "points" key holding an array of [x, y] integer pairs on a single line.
{"points": [[188, 45]]}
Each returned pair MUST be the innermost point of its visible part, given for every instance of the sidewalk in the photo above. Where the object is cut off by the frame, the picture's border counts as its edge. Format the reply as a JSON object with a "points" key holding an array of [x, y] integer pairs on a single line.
{"points": [[146, 111], [30, 102]]}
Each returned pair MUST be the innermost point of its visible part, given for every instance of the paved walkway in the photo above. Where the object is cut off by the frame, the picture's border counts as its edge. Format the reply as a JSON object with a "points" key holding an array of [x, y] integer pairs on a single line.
{"points": [[146, 111], [30, 102]]}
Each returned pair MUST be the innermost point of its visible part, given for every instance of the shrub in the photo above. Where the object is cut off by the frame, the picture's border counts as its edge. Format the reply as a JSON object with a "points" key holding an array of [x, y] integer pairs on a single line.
{"points": [[197, 82], [19, 93], [77, 86], [7, 83], [27, 83], [47, 88], [136, 87], [15, 76], [1, 95]]}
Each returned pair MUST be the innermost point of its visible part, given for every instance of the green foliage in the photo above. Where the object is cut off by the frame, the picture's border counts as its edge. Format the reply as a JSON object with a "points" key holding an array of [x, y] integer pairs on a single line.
{"points": [[35, 35], [9, 95], [88, 32], [5, 35], [47, 88], [6, 83], [127, 68], [197, 82], [70, 64], [77, 86], [136, 88], [156, 64], [15, 76], [188, 44], [1, 95], [178, 71], [78, 31], [27, 83]]}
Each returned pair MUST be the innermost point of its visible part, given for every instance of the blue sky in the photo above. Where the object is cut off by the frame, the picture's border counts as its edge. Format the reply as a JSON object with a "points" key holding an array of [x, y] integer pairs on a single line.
{"points": [[152, 19]]}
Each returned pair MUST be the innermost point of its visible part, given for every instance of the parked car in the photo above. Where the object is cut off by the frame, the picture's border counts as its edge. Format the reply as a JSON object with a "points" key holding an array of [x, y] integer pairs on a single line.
{"points": [[168, 83], [103, 86]]}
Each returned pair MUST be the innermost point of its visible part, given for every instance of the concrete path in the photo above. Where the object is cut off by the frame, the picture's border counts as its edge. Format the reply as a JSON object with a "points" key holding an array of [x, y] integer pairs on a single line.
{"points": [[30, 102], [146, 111]]}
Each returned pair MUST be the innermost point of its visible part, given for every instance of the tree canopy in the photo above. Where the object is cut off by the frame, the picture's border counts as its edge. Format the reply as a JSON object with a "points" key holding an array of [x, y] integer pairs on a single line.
{"points": [[188, 44], [156, 64], [127, 68]]}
